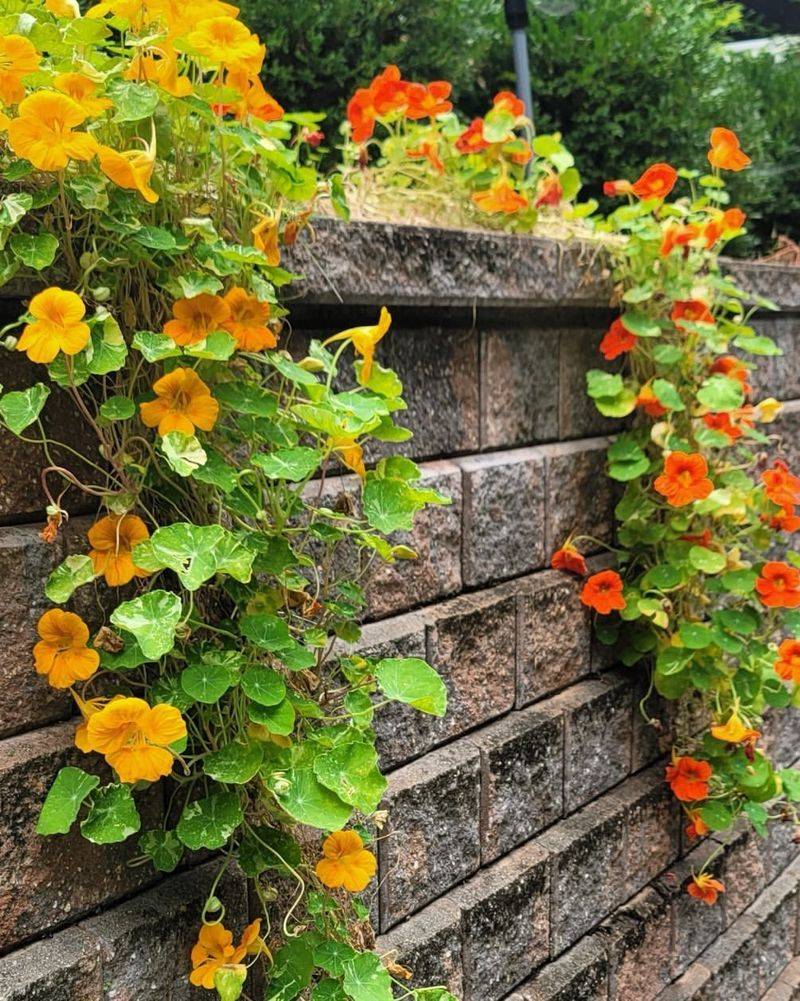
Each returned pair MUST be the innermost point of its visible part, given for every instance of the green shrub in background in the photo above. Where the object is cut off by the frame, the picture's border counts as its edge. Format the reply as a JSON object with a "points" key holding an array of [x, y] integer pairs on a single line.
{"points": [[626, 81]]}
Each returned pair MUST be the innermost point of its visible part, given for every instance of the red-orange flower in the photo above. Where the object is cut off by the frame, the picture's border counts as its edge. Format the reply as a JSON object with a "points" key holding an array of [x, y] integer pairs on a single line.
{"points": [[612, 188], [656, 182], [247, 321], [787, 664], [195, 318], [387, 93], [685, 479], [697, 827], [650, 403], [568, 558], [430, 152], [731, 425], [501, 197], [786, 521], [691, 310], [779, 585], [678, 236], [617, 340], [703, 539], [734, 369], [507, 101], [727, 222], [781, 486], [428, 101], [725, 152], [705, 888], [603, 592], [688, 778], [471, 139], [549, 191]]}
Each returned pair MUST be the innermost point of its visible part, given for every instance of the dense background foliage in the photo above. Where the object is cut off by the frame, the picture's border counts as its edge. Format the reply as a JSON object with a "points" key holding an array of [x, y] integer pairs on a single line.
{"points": [[626, 81]]}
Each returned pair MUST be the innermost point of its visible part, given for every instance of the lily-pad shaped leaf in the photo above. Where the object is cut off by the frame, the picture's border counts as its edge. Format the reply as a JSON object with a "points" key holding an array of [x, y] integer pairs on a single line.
{"points": [[351, 771], [183, 452], [151, 619], [154, 345], [721, 394], [210, 822], [163, 848], [304, 797], [246, 398], [112, 816], [413, 681], [195, 553], [37, 252], [292, 464], [706, 560], [22, 407], [206, 683], [277, 719], [235, 763], [67, 577], [263, 685], [366, 978], [117, 408], [63, 802], [265, 631]]}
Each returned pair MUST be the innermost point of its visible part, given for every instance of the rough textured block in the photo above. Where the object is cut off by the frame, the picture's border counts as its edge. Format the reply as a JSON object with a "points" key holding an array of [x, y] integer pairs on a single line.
{"points": [[471, 644], [553, 635], [504, 922], [504, 515], [521, 779], [432, 839], [787, 986], [65, 967], [653, 821], [733, 964], [519, 387], [782, 735], [579, 351], [743, 869], [776, 912], [638, 937], [779, 376], [580, 495], [597, 736], [47, 882], [579, 975], [429, 944], [587, 866]]}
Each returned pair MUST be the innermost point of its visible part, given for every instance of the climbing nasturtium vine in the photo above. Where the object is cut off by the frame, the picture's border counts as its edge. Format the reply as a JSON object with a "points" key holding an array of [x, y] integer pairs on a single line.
{"points": [[150, 182], [706, 594]]}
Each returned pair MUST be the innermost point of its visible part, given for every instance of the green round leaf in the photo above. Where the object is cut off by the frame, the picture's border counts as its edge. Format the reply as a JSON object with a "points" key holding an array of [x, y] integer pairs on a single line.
{"points": [[234, 764], [112, 816], [263, 685], [210, 822]]}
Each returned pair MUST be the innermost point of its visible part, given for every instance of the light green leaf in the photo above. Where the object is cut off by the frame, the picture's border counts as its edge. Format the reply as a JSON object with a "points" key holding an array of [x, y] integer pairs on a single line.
{"points": [[21, 408], [63, 801], [293, 464], [117, 408], [210, 822], [707, 560], [195, 553], [277, 719], [218, 346], [132, 101], [312, 803], [414, 682], [155, 346], [367, 979], [351, 771], [246, 398], [112, 816], [163, 848], [183, 452], [69, 575], [37, 252], [668, 395], [234, 764], [265, 631], [721, 394], [206, 683], [263, 685], [151, 619]]}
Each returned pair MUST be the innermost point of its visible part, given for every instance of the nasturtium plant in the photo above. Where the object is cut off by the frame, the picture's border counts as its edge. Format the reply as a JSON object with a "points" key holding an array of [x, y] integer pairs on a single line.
{"points": [[705, 590], [154, 183]]}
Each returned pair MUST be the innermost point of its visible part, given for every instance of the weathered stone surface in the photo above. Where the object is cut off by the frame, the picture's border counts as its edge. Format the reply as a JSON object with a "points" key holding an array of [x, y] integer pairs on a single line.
{"points": [[504, 922], [652, 821], [580, 495], [579, 352], [504, 515], [787, 986], [638, 940], [733, 964], [587, 857], [48, 882], [65, 967], [519, 387], [553, 635], [579, 975], [776, 910], [597, 736], [778, 376], [782, 735], [471, 645], [429, 944], [743, 869], [521, 779], [432, 839]]}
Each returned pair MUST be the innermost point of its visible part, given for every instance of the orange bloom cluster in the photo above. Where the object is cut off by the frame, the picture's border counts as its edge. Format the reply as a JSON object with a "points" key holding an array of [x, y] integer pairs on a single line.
{"points": [[733, 368], [731, 424], [214, 951], [617, 340], [656, 182], [603, 592], [691, 311], [389, 94], [500, 197], [685, 479], [688, 778], [473, 140], [778, 585], [650, 403], [780, 485], [682, 234], [725, 152], [346, 862], [787, 664], [134, 738]]}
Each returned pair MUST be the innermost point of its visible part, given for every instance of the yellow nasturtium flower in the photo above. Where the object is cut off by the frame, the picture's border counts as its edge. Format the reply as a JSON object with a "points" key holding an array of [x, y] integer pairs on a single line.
{"points": [[734, 731], [346, 862], [112, 540], [160, 69], [17, 58], [350, 453], [226, 42], [184, 402], [215, 951], [134, 738], [43, 133], [768, 410], [63, 8], [265, 239], [82, 89], [132, 169], [364, 340], [58, 325], [62, 652]]}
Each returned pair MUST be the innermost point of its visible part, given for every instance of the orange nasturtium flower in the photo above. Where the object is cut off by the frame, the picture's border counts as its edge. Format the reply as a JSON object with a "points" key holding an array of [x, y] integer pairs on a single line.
{"points": [[650, 403], [620, 187], [364, 341], [112, 540], [82, 89], [656, 182], [691, 310], [44, 132], [603, 592], [705, 888], [345, 862], [387, 93], [779, 585], [254, 101], [18, 57], [734, 369], [500, 197], [62, 653], [727, 425], [725, 152], [162, 70], [685, 479], [430, 152], [678, 236], [215, 950], [568, 558], [617, 340], [781, 486], [265, 239], [63, 8], [58, 325], [472, 139], [184, 402], [697, 827], [247, 321], [131, 169], [787, 664], [226, 42], [549, 191], [786, 521], [734, 731], [88, 707], [134, 737], [194, 319], [428, 100], [350, 453], [688, 778], [507, 101]]}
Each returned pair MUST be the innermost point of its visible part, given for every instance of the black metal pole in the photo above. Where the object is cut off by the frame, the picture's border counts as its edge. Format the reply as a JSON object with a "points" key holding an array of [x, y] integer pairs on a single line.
{"points": [[517, 21]]}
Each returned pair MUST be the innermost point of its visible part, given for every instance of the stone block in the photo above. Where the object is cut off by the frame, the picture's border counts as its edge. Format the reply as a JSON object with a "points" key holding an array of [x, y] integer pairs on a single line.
{"points": [[504, 923], [743, 869], [65, 967], [46, 882], [787, 986], [504, 515], [776, 911], [429, 944], [733, 964], [553, 635], [519, 386], [778, 376], [587, 865], [638, 939], [652, 820], [432, 838], [782, 735], [579, 975], [521, 779], [579, 351], [597, 736], [580, 495]]}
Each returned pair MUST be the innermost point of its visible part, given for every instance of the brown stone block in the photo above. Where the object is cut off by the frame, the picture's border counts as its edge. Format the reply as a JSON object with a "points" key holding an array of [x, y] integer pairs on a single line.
{"points": [[429, 944], [579, 352], [581, 974], [66, 967], [580, 495], [638, 937]]}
